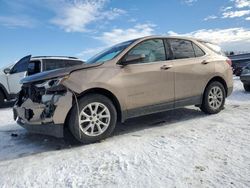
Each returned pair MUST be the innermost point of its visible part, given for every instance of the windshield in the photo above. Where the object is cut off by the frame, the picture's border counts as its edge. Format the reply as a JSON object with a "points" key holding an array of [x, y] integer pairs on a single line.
{"points": [[110, 53]]}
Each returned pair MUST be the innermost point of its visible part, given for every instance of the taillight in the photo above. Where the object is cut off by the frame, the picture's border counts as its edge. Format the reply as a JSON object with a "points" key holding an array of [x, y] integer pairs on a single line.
{"points": [[229, 62]]}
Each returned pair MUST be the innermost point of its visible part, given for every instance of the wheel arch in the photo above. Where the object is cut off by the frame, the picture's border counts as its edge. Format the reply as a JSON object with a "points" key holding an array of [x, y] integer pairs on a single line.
{"points": [[218, 79], [106, 93]]}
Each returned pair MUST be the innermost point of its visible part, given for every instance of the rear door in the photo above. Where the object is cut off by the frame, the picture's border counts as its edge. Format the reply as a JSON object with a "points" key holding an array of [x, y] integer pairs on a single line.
{"points": [[18, 72], [148, 82], [192, 70]]}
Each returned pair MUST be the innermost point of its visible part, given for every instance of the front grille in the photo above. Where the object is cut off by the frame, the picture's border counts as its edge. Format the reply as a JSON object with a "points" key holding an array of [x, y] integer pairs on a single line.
{"points": [[32, 92]]}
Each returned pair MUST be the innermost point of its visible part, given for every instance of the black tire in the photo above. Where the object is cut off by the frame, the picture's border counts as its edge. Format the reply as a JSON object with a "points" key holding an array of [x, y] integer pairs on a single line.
{"points": [[74, 118], [2, 97], [247, 87], [206, 107]]}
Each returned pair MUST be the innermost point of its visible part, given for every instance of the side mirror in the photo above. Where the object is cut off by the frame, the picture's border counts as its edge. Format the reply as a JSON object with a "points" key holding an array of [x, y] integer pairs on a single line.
{"points": [[132, 59], [7, 71]]}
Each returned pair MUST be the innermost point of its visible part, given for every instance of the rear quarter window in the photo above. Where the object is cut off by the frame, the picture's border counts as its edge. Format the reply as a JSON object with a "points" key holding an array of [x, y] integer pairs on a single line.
{"points": [[198, 51], [215, 48]]}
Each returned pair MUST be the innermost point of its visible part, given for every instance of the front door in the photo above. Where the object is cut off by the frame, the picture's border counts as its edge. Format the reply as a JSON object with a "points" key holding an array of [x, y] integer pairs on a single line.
{"points": [[17, 73], [148, 82]]}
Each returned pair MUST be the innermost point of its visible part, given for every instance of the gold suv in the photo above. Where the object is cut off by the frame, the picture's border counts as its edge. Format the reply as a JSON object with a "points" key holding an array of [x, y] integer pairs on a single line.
{"points": [[131, 79]]}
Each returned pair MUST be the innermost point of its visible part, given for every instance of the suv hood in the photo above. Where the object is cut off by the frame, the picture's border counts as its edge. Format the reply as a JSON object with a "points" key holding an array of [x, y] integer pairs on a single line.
{"points": [[56, 73]]}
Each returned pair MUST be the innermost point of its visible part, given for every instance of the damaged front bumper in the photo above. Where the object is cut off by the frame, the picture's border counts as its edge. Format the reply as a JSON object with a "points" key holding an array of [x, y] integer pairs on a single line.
{"points": [[43, 111]]}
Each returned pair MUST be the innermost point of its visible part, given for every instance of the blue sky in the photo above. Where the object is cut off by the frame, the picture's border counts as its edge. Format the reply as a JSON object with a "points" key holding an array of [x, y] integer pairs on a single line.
{"points": [[81, 28]]}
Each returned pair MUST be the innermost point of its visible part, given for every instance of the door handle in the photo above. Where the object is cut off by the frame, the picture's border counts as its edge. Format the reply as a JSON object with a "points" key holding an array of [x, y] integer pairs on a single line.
{"points": [[204, 62], [166, 67]]}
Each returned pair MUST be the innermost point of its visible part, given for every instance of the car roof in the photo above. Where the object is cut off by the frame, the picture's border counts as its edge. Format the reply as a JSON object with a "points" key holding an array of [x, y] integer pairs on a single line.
{"points": [[173, 37], [55, 57]]}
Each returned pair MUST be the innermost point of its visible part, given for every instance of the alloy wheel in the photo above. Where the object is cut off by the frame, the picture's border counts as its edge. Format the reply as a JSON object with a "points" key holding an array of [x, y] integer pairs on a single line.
{"points": [[94, 119], [215, 97]]}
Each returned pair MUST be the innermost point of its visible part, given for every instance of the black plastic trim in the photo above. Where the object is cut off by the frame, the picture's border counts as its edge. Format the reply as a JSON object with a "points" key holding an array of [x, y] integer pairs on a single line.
{"points": [[55, 130], [146, 110]]}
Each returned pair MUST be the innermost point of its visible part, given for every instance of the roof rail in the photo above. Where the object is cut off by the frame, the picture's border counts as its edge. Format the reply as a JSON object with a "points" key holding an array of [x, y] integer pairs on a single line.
{"points": [[55, 56]]}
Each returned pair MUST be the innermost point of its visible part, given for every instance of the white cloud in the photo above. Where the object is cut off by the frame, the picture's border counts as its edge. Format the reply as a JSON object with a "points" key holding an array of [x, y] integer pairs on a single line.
{"points": [[120, 35], [248, 18], [229, 39], [13, 21], [235, 10], [234, 14], [89, 52], [223, 9], [112, 14], [75, 16], [189, 2], [212, 17], [116, 36], [242, 3]]}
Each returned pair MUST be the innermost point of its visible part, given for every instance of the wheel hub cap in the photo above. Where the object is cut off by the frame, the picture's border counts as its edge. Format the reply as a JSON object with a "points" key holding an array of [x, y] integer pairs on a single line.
{"points": [[215, 97], [94, 119]]}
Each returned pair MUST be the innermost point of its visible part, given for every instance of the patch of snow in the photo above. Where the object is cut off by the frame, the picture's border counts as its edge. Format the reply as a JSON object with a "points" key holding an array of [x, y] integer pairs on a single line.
{"points": [[179, 148]]}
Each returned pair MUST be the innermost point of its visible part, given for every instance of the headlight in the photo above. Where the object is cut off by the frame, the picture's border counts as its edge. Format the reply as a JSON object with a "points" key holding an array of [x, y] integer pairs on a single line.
{"points": [[53, 82]]}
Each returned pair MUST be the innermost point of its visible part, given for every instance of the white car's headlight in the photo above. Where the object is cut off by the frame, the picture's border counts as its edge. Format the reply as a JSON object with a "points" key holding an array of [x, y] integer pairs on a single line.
{"points": [[53, 82]]}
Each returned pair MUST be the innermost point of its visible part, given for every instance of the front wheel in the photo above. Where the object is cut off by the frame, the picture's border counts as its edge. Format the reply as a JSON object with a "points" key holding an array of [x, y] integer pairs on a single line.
{"points": [[247, 87], [214, 98], [95, 119]]}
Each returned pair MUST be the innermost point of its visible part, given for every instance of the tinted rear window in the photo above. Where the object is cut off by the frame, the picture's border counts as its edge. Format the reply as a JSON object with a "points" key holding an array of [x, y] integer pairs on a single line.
{"points": [[51, 64]]}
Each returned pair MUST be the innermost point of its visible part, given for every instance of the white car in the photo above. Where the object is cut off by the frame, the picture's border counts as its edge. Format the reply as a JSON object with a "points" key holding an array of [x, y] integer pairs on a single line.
{"points": [[10, 76]]}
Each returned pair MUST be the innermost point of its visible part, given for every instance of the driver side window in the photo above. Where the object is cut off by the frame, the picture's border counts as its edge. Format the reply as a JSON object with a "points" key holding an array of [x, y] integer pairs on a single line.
{"points": [[153, 50]]}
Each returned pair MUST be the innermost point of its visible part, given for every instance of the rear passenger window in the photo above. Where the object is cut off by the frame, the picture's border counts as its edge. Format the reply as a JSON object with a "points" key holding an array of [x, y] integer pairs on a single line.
{"points": [[51, 64], [181, 48], [198, 51]]}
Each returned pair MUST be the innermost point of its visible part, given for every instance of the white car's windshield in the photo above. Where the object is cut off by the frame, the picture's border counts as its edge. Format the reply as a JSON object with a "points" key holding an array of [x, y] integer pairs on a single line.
{"points": [[110, 53]]}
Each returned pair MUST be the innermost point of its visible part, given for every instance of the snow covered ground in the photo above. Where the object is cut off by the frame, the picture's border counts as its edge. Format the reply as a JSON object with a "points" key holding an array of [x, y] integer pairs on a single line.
{"points": [[179, 148]]}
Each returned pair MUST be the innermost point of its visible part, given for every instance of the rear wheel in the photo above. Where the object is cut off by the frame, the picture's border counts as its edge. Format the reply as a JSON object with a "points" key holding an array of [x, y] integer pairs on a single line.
{"points": [[214, 98], [247, 87], [1, 99], [95, 120]]}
